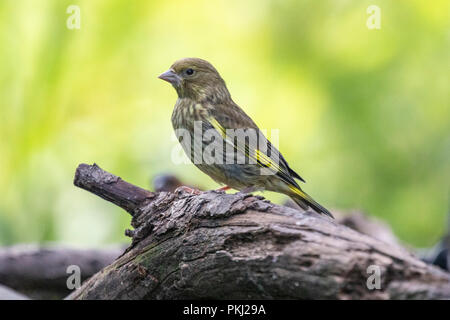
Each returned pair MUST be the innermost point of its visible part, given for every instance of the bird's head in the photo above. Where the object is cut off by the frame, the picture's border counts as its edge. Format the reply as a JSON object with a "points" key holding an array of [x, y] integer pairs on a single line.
{"points": [[196, 79]]}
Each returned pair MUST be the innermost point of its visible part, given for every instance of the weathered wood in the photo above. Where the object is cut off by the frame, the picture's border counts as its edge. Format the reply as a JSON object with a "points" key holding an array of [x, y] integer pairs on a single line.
{"points": [[233, 246], [111, 187], [41, 271]]}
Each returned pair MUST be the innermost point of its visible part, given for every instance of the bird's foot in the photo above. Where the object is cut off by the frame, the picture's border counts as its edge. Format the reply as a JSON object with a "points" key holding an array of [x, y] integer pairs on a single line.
{"points": [[192, 191], [223, 189]]}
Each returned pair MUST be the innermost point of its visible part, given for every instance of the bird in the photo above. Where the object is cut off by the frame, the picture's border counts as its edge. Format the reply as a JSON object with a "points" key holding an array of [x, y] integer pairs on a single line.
{"points": [[207, 121]]}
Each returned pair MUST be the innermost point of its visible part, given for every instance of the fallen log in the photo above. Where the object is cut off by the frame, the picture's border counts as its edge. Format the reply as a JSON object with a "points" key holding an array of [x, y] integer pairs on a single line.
{"points": [[41, 272], [238, 246]]}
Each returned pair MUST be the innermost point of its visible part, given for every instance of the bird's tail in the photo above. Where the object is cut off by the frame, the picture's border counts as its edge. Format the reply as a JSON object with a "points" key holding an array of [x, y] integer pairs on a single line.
{"points": [[305, 201]]}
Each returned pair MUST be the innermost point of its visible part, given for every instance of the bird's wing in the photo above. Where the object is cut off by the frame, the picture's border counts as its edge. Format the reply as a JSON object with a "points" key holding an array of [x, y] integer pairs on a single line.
{"points": [[232, 117]]}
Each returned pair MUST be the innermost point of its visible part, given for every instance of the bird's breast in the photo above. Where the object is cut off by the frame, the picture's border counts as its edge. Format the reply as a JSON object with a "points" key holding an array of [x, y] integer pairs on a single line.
{"points": [[186, 112]]}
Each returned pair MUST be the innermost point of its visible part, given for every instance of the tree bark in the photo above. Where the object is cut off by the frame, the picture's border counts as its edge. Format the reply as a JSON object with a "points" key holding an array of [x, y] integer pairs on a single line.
{"points": [[41, 271], [239, 246]]}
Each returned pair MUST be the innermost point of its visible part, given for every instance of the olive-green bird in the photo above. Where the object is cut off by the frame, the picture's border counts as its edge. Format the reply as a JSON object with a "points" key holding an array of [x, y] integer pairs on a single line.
{"points": [[204, 106]]}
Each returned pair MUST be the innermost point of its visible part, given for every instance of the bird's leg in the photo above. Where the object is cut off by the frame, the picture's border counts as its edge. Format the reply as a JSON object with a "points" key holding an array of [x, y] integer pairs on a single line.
{"points": [[223, 189], [188, 190]]}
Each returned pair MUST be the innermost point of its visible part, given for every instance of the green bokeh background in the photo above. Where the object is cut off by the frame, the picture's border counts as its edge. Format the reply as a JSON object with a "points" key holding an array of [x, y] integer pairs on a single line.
{"points": [[364, 115]]}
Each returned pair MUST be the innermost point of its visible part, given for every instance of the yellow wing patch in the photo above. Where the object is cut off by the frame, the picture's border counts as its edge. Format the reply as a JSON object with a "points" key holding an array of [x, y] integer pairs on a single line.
{"points": [[266, 161], [299, 192], [261, 158], [218, 127]]}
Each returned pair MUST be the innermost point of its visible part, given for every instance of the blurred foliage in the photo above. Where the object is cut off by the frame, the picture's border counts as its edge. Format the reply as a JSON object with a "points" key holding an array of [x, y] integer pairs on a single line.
{"points": [[364, 115]]}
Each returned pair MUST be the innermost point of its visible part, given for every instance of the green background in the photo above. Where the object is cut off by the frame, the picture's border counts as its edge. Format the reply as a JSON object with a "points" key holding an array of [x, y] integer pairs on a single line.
{"points": [[363, 115]]}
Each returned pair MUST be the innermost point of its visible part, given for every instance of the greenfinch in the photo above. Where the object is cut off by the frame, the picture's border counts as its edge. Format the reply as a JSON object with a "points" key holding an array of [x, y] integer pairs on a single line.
{"points": [[222, 140]]}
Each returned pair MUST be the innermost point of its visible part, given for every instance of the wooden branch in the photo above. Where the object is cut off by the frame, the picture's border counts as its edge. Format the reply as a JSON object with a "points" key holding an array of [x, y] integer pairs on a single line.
{"points": [[110, 187], [233, 246], [41, 271]]}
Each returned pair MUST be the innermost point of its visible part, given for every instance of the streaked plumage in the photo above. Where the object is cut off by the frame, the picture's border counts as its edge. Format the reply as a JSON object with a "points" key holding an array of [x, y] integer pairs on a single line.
{"points": [[204, 97]]}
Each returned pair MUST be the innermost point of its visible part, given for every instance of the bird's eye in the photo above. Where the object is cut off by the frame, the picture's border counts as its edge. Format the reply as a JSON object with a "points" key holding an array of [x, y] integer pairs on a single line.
{"points": [[189, 72]]}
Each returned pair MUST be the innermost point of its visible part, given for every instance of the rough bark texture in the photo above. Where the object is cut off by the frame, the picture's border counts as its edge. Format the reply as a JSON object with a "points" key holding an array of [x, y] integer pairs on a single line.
{"points": [[239, 246], [41, 271]]}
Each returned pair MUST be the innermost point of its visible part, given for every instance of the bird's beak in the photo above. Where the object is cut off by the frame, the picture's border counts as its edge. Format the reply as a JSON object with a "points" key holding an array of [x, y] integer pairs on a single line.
{"points": [[171, 77]]}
